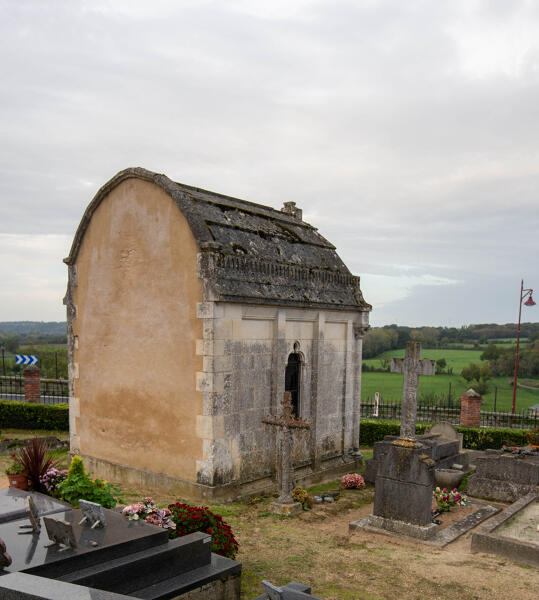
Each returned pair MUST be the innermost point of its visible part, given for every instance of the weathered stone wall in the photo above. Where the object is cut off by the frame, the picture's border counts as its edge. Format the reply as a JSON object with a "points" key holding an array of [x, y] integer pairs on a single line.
{"points": [[132, 298], [245, 350]]}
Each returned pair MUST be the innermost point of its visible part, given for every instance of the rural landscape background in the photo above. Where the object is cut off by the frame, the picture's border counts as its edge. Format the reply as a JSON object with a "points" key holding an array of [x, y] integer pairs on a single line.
{"points": [[490, 347]]}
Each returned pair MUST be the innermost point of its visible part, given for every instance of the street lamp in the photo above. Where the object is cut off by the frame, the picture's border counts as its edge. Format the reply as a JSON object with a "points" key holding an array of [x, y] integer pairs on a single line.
{"points": [[524, 293]]}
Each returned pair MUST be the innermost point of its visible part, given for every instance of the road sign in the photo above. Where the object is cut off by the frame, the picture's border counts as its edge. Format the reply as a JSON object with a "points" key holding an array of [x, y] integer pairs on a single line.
{"points": [[376, 403], [26, 359]]}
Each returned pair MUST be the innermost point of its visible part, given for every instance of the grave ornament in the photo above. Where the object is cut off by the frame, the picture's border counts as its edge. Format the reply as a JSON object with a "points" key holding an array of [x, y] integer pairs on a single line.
{"points": [[411, 366], [60, 532], [5, 558], [287, 422], [94, 515], [33, 516], [285, 593]]}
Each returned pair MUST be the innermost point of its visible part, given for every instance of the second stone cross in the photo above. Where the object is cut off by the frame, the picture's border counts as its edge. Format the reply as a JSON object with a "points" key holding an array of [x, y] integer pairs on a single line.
{"points": [[412, 366]]}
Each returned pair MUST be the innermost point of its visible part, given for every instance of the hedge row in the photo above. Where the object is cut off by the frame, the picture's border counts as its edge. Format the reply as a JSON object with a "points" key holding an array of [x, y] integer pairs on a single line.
{"points": [[475, 438], [29, 415]]}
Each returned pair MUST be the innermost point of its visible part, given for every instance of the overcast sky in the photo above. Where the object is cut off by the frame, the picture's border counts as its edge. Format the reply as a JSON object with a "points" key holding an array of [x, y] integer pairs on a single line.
{"points": [[408, 132]]}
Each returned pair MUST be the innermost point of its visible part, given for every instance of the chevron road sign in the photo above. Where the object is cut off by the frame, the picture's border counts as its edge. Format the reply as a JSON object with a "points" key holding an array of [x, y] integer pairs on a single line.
{"points": [[26, 359]]}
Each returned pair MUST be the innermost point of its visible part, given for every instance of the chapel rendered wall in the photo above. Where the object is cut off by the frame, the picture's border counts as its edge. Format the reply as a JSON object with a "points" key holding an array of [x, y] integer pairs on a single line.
{"points": [[134, 295], [245, 351]]}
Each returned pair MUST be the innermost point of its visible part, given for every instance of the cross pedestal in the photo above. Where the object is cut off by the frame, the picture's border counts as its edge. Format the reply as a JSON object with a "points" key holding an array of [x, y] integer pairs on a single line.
{"points": [[412, 366]]}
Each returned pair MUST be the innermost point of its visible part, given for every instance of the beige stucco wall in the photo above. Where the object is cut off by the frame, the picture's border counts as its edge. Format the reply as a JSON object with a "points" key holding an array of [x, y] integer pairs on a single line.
{"points": [[135, 399]]}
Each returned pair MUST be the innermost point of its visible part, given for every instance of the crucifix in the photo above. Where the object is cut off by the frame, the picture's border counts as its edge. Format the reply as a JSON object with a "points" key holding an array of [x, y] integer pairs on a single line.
{"points": [[412, 366], [286, 422]]}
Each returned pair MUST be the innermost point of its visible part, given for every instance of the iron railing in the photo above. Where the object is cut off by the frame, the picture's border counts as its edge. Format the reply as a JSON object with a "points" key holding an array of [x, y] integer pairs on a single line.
{"points": [[449, 411], [11, 387], [54, 391]]}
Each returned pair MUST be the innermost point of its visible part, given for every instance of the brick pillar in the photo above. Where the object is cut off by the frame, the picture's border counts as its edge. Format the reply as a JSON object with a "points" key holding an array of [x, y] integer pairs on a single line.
{"points": [[32, 384], [470, 409]]}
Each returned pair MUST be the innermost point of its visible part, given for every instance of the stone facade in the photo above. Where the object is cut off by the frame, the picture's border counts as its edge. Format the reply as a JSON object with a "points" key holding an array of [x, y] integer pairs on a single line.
{"points": [[184, 308]]}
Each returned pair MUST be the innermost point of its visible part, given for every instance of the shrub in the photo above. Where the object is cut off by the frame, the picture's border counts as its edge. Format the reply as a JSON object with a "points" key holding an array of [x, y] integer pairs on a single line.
{"points": [[302, 496], [352, 481], [79, 486], [29, 415], [474, 438], [36, 460], [189, 519], [51, 480]]}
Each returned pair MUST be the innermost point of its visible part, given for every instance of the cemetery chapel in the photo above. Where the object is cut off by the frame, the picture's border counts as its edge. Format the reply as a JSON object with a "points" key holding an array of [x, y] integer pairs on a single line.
{"points": [[190, 313]]}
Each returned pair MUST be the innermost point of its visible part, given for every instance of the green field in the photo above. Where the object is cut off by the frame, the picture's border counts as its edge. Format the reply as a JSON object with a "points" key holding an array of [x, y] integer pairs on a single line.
{"points": [[456, 359], [389, 385]]}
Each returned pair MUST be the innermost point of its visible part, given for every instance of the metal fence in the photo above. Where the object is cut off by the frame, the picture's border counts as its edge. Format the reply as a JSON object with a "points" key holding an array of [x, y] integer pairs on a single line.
{"points": [[450, 412], [11, 387], [53, 391]]}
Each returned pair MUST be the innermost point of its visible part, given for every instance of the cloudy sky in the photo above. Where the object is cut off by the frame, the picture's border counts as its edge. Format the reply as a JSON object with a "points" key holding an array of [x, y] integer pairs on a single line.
{"points": [[407, 131]]}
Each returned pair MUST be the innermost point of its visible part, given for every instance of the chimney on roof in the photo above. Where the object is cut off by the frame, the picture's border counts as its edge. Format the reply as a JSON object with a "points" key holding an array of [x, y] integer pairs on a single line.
{"points": [[291, 209]]}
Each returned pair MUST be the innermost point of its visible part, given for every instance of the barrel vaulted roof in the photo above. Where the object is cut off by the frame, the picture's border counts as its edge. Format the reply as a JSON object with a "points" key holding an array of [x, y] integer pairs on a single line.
{"points": [[250, 252]]}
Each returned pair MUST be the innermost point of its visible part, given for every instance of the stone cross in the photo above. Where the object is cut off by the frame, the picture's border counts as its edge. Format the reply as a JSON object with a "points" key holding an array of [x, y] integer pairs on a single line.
{"points": [[286, 422], [412, 366]]}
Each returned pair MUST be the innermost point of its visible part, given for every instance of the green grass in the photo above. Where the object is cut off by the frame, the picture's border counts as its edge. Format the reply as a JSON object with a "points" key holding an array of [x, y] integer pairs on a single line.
{"points": [[389, 385], [456, 359]]}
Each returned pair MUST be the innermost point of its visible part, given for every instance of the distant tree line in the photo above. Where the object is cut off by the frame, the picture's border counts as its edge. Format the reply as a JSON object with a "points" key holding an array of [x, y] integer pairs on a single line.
{"points": [[390, 337]]}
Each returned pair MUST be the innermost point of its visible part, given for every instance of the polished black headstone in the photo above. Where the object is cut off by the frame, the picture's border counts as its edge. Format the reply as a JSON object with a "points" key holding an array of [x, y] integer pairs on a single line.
{"points": [[13, 504]]}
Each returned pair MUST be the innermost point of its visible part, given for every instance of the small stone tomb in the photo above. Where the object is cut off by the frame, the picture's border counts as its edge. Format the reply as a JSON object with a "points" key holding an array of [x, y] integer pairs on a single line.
{"points": [[124, 557], [13, 504], [403, 496], [503, 476], [442, 443]]}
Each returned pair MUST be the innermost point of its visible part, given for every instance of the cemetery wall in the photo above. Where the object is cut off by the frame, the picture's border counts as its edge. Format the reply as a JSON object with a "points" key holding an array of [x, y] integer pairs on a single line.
{"points": [[134, 399]]}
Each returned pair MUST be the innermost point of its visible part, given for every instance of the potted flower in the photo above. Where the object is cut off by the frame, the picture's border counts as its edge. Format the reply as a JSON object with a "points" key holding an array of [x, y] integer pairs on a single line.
{"points": [[17, 475]]}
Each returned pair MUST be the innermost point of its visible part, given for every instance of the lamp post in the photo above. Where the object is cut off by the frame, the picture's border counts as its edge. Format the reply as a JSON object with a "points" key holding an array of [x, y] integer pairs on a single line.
{"points": [[524, 293]]}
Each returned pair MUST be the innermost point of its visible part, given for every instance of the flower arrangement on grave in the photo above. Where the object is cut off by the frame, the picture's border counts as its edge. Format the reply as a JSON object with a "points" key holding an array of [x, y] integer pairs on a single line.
{"points": [[79, 486], [189, 519], [52, 479], [521, 452], [302, 496], [352, 481], [146, 510], [445, 499]]}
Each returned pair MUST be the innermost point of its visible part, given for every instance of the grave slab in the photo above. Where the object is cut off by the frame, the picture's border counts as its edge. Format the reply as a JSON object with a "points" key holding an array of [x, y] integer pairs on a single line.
{"points": [[121, 536], [497, 538], [13, 504], [21, 586]]}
